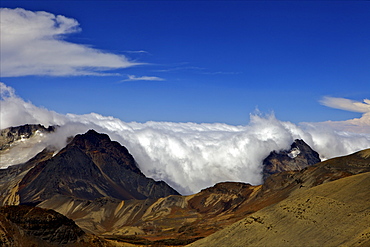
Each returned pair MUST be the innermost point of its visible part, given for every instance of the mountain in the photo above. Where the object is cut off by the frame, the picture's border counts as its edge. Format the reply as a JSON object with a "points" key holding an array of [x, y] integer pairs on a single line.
{"points": [[89, 167], [336, 213], [96, 183], [20, 144], [180, 219], [13, 134], [298, 157]]}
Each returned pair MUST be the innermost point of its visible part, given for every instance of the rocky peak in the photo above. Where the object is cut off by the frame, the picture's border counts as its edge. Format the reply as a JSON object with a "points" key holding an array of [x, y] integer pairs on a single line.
{"points": [[299, 156], [89, 167], [103, 151], [12, 134]]}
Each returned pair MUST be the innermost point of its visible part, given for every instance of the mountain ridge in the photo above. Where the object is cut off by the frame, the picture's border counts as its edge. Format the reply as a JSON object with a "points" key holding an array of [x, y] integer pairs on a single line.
{"points": [[89, 167], [97, 183], [330, 214]]}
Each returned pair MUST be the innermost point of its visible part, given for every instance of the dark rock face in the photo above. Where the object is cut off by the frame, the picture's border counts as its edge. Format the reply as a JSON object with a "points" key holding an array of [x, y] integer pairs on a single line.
{"points": [[104, 152], [89, 167], [298, 157], [12, 134], [43, 224]]}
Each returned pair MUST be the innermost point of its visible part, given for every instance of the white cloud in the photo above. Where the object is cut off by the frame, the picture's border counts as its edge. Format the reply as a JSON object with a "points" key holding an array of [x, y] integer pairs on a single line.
{"points": [[188, 156], [15, 111], [358, 125], [143, 78], [32, 43], [347, 104]]}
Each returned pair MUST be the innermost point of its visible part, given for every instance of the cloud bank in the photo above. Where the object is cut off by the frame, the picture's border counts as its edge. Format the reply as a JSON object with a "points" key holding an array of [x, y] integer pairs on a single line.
{"points": [[32, 43], [188, 156]]}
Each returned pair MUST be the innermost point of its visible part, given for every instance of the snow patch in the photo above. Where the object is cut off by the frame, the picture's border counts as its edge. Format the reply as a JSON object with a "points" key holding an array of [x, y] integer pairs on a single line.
{"points": [[294, 153]]}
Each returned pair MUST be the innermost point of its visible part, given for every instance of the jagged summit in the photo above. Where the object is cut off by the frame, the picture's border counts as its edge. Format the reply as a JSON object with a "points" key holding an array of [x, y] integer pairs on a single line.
{"points": [[103, 151], [12, 134], [298, 157], [89, 167]]}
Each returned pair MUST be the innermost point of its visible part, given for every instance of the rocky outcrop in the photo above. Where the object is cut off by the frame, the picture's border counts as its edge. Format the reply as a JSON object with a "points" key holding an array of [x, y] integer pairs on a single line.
{"points": [[13, 134], [298, 157]]}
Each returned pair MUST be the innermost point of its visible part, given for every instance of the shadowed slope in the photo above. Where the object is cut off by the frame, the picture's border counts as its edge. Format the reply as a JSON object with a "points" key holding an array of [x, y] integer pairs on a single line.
{"points": [[32, 226], [89, 167], [186, 218]]}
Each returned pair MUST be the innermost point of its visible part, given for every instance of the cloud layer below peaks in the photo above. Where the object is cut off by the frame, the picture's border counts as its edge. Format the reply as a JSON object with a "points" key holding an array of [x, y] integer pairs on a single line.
{"points": [[188, 156]]}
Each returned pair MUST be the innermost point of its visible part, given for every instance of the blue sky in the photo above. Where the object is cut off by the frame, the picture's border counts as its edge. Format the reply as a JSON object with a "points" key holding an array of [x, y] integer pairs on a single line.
{"points": [[199, 61]]}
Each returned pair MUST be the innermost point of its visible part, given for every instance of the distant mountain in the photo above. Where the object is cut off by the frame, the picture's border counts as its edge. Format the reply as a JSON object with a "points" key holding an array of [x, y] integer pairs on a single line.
{"points": [[12, 134], [298, 157], [89, 167]]}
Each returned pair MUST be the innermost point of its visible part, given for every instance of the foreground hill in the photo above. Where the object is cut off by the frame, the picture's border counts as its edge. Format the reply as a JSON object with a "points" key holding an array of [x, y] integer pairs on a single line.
{"points": [[331, 214], [32, 226]]}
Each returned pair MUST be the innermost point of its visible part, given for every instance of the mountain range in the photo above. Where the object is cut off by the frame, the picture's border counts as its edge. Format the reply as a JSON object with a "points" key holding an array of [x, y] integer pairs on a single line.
{"points": [[97, 184]]}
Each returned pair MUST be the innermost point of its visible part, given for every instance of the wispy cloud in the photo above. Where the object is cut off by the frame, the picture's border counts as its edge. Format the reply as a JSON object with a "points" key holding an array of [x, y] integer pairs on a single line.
{"points": [[197, 70], [185, 68], [32, 43], [138, 52], [143, 78], [360, 125], [347, 104]]}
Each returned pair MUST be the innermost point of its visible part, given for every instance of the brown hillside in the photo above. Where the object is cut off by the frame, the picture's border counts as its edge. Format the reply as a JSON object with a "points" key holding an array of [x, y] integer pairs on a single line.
{"points": [[331, 214], [184, 218]]}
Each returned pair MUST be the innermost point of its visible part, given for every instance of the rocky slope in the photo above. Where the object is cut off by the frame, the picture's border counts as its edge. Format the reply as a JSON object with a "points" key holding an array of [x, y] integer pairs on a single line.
{"points": [[89, 167], [298, 157], [187, 218], [20, 144], [13, 134], [97, 183], [331, 214]]}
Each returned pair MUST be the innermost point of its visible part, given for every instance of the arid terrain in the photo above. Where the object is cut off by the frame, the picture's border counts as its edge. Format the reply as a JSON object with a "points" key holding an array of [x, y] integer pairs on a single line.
{"points": [[96, 184]]}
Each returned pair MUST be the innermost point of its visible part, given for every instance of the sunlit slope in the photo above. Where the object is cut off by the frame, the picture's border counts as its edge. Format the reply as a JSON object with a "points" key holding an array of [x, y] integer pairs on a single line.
{"points": [[336, 213], [204, 213]]}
